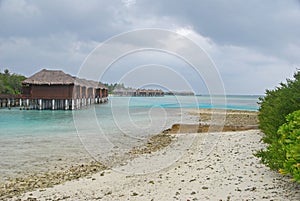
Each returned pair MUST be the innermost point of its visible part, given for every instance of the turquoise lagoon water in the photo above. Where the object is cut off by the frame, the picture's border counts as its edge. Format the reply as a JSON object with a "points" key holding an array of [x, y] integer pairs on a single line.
{"points": [[235, 102], [35, 141]]}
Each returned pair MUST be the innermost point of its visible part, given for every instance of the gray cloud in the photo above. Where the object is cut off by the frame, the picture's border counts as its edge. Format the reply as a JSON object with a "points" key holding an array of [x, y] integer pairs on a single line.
{"points": [[269, 26], [255, 43]]}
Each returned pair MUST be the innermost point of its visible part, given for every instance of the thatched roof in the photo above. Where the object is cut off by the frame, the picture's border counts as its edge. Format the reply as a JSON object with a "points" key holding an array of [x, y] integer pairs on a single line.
{"points": [[58, 77], [50, 77]]}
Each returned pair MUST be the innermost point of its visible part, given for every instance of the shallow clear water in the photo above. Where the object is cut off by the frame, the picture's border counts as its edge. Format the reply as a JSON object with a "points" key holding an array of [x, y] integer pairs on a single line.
{"points": [[34, 141]]}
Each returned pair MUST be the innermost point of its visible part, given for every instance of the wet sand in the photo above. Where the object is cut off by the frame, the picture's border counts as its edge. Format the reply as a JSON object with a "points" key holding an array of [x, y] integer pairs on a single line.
{"points": [[230, 117]]}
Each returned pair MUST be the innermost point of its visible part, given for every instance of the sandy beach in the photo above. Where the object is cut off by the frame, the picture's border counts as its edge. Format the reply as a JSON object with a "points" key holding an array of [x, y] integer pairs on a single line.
{"points": [[193, 166], [229, 172]]}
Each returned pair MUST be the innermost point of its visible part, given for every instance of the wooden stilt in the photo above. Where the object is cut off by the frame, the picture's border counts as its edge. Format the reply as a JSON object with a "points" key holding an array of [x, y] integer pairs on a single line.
{"points": [[72, 104], [8, 103], [53, 104], [40, 104], [66, 104]]}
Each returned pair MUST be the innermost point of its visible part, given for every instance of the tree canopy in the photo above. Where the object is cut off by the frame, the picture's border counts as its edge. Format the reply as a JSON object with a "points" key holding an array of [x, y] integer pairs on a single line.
{"points": [[10, 83]]}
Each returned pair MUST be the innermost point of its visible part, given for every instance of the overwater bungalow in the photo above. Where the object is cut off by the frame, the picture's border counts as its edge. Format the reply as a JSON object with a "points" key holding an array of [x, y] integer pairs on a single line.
{"points": [[56, 90], [138, 92], [124, 92], [180, 93], [149, 92]]}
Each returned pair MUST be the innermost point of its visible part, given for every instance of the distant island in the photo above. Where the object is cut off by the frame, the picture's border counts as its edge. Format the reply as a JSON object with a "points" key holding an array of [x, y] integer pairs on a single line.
{"points": [[180, 93], [119, 89]]}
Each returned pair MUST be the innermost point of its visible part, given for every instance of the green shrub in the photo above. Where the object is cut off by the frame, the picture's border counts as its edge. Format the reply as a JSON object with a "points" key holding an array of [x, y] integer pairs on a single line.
{"points": [[274, 107], [290, 144]]}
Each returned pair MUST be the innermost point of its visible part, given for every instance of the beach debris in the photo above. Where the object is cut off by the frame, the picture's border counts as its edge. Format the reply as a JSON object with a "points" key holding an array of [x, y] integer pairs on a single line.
{"points": [[17, 186], [155, 143]]}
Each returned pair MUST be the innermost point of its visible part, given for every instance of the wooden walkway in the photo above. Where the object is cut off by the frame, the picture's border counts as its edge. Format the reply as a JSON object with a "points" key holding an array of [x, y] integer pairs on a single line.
{"points": [[9, 101]]}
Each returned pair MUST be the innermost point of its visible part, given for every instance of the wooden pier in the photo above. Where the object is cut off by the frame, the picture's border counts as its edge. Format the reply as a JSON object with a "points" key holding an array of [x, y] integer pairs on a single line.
{"points": [[7, 100]]}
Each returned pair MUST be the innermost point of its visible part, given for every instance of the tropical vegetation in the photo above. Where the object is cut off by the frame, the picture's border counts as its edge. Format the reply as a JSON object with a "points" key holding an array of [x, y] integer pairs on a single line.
{"points": [[10, 83], [279, 124], [112, 87]]}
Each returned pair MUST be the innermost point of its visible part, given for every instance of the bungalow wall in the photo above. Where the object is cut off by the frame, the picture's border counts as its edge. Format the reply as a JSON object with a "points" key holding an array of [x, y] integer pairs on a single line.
{"points": [[83, 92], [76, 92], [104, 93], [26, 91], [101, 93], [60, 96], [49, 91], [90, 93]]}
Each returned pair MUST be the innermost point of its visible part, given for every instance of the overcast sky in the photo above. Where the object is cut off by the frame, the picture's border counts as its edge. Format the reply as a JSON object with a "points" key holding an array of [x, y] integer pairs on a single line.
{"points": [[253, 44]]}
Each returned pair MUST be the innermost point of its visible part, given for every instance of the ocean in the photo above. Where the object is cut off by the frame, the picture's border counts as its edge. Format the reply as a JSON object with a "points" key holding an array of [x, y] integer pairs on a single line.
{"points": [[33, 141]]}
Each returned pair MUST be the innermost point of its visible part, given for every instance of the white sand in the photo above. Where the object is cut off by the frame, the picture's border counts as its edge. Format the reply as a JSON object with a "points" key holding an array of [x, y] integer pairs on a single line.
{"points": [[223, 171]]}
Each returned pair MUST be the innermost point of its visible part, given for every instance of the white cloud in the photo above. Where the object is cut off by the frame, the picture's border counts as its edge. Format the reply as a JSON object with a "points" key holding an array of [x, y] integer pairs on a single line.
{"points": [[243, 69], [129, 3]]}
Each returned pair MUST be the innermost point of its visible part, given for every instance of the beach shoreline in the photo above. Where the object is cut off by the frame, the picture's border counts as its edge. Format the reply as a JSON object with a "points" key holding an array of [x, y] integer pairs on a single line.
{"points": [[157, 147]]}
